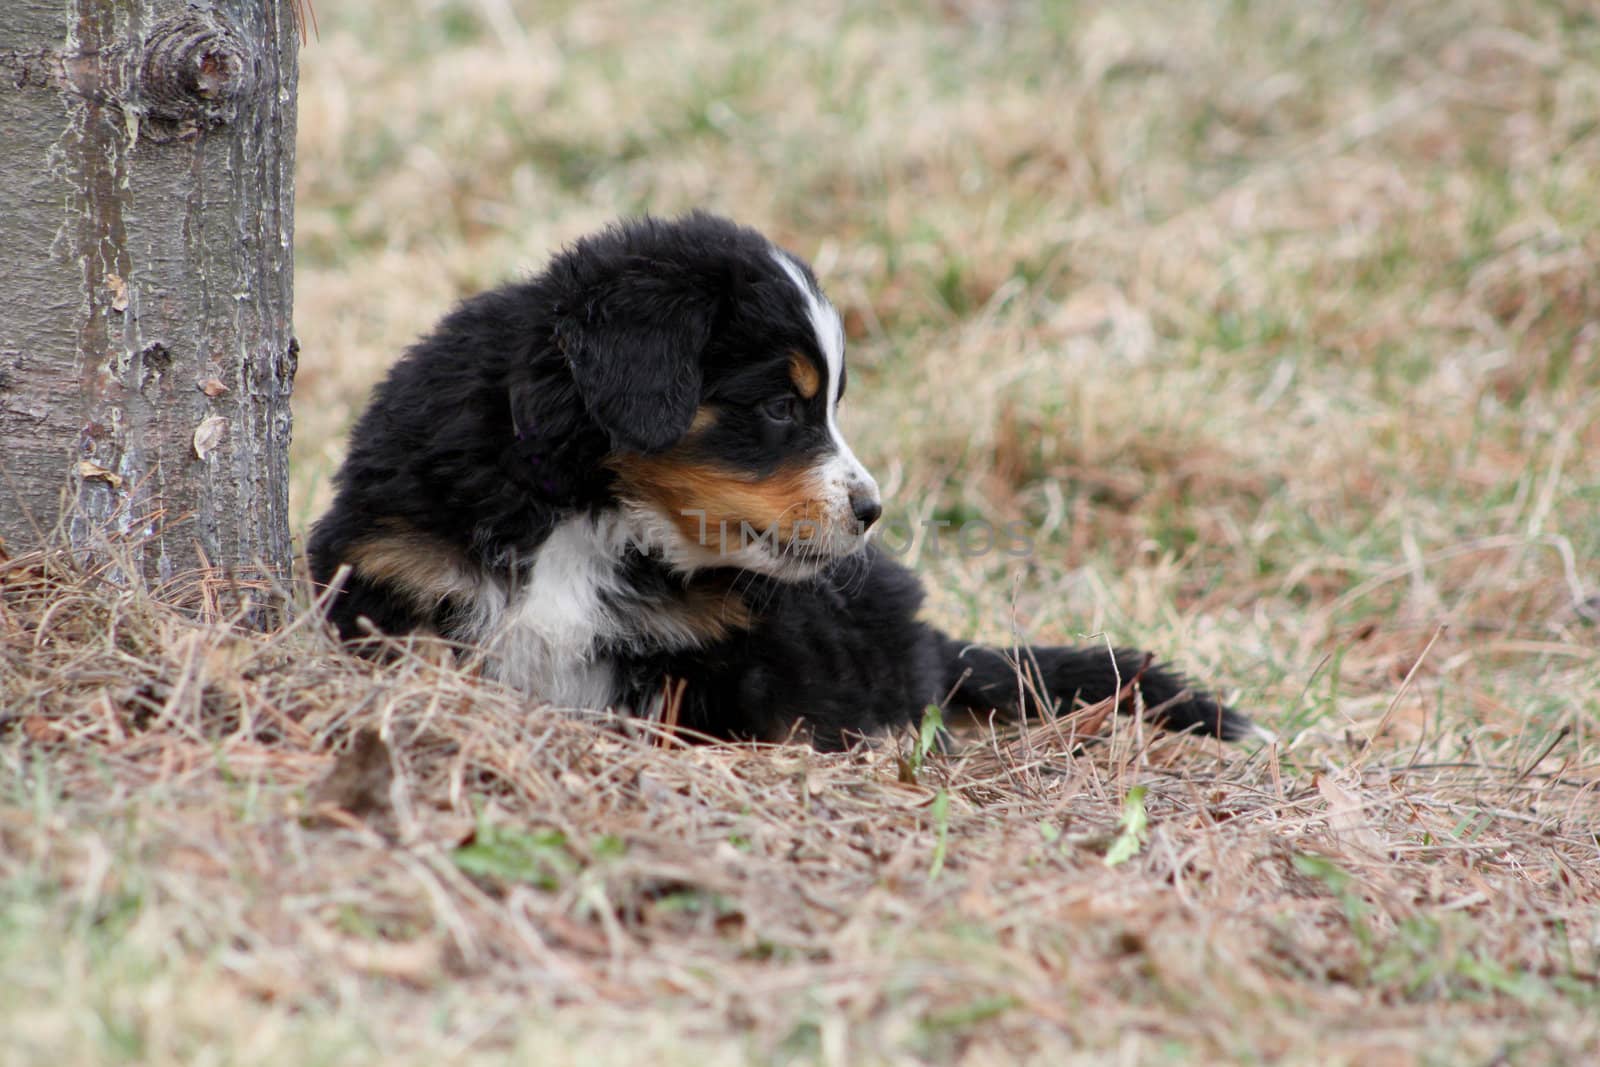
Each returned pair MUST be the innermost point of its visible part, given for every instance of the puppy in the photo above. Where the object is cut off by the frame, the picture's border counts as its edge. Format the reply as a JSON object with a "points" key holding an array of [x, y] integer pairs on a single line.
{"points": [[625, 479]]}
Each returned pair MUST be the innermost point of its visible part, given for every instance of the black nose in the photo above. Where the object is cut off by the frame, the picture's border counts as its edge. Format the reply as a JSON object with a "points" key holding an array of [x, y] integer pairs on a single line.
{"points": [[867, 509]]}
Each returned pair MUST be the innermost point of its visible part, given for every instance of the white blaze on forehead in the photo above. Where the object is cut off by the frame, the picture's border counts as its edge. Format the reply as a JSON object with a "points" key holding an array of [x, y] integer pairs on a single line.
{"points": [[829, 330], [825, 323]]}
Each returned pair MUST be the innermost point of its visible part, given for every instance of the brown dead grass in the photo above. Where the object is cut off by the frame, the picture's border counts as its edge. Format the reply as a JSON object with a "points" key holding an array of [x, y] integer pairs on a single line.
{"points": [[516, 878]]}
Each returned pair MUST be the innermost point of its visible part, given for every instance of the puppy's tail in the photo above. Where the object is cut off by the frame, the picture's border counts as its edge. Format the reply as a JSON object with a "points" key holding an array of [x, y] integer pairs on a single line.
{"points": [[1025, 681]]}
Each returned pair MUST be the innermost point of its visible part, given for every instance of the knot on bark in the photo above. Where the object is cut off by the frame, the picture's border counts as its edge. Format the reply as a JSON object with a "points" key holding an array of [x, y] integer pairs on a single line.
{"points": [[195, 68]]}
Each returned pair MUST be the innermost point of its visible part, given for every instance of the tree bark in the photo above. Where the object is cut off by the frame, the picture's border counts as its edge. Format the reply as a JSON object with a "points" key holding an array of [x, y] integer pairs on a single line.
{"points": [[146, 218]]}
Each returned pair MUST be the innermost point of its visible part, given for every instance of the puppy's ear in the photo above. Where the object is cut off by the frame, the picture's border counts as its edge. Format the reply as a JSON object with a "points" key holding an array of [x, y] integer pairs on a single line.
{"points": [[634, 345]]}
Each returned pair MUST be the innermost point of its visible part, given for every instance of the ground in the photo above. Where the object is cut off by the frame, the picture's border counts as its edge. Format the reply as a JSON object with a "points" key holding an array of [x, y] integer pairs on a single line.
{"points": [[1276, 324]]}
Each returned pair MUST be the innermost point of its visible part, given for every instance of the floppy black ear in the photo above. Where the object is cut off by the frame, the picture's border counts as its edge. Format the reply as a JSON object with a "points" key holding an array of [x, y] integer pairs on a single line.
{"points": [[634, 347]]}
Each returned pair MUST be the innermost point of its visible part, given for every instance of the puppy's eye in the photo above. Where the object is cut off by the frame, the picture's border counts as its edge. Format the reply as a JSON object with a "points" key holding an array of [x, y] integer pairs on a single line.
{"points": [[783, 409]]}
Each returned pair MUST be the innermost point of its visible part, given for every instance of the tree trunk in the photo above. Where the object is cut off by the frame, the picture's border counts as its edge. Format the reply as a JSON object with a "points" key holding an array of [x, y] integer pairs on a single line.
{"points": [[146, 222]]}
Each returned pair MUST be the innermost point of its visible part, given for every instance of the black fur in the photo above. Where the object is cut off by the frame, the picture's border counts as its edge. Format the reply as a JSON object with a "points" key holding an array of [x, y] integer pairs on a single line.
{"points": [[508, 420], [846, 656]]}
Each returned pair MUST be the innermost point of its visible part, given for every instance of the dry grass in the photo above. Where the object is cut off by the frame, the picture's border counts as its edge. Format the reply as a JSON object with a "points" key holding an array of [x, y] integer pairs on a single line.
{"points": [[185, 870], [1278, 323]]}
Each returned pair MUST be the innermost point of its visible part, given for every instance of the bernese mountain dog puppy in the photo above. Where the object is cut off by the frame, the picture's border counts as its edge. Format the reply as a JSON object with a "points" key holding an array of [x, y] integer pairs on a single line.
{"points": [[623, 482]]}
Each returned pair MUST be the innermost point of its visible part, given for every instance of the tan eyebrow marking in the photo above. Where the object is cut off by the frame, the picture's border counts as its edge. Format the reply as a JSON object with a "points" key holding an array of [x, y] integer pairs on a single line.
{"points": [[705, 417], [804, 374]]}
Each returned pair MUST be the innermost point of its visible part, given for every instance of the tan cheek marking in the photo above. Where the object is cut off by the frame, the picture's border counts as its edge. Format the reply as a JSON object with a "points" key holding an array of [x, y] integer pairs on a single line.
{"points": [[422, 568], [707, 503], [803, 373]]}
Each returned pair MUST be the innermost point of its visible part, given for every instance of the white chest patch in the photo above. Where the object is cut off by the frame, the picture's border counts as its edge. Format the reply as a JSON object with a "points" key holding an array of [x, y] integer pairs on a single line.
{"points": [[545, 634]]}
